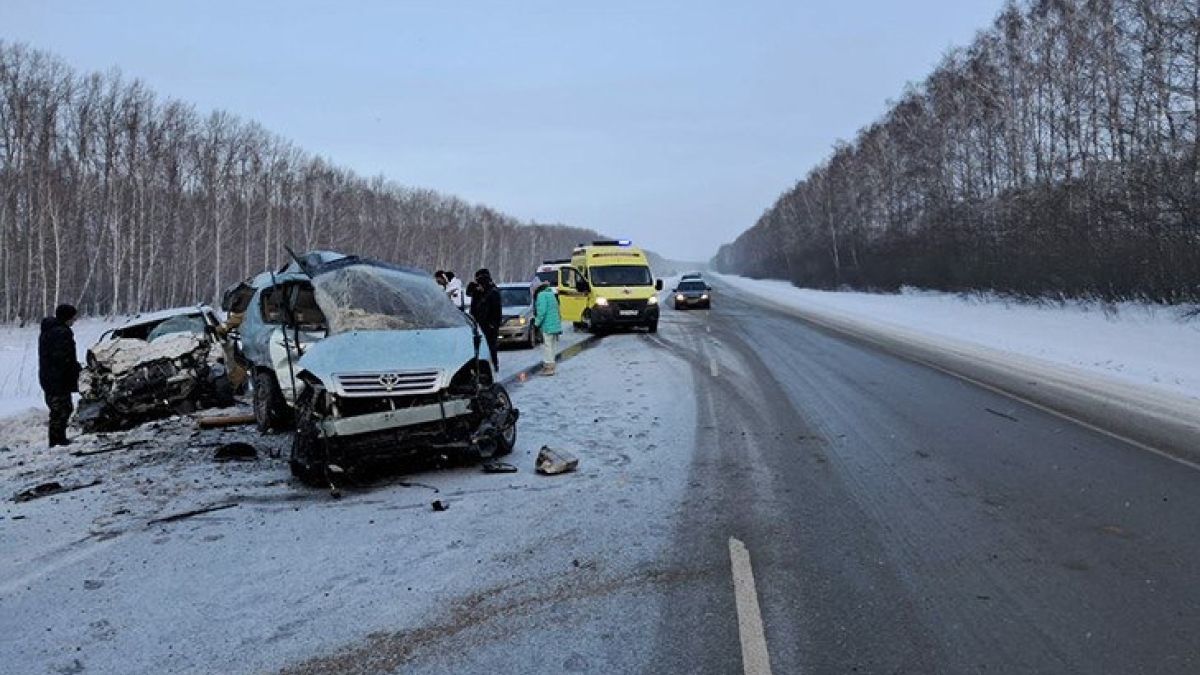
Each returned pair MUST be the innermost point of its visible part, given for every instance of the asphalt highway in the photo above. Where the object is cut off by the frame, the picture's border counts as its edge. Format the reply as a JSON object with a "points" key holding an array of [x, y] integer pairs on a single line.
{"points": [[900, 520]]}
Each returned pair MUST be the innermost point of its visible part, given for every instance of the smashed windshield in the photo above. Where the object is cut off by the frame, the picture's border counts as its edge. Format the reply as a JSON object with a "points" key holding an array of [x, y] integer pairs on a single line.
{"points": [[367, 298], [622, 275], [514, 297], [178, 324]]}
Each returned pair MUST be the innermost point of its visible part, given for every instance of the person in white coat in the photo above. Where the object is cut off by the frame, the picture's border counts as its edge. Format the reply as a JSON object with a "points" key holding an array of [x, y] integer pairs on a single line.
{"points": [[453, 287]]}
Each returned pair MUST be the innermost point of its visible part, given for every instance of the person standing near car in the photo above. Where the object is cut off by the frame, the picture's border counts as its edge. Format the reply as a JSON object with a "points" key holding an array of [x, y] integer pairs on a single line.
{"points": [[454, 290], [548, 321], [487, 310], [58, 371]]}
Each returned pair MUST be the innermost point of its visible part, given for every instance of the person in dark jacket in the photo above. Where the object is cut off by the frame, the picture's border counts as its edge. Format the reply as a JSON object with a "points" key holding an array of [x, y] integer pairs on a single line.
{"points": [[487, 310], [58, 371]]}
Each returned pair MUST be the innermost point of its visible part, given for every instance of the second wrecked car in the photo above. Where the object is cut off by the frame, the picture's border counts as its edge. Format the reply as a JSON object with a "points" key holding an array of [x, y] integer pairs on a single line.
{"points": [[156, 365], [400, 372]]}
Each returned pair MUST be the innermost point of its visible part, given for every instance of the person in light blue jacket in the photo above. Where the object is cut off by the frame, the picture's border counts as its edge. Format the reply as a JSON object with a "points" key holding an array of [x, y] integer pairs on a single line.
{"points": [[548, 321]]}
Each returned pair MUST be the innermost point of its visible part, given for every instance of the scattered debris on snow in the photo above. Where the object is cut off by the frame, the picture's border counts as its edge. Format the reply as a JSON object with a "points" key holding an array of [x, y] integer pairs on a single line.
{"points": [[220, 421], [551, 461], [194, 512], [236, 451], [439, 505], [498, 467], [50, 488]]}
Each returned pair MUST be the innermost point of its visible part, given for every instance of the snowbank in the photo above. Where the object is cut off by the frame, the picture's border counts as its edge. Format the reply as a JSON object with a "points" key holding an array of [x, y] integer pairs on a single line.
{"points": [[1135, 343]]}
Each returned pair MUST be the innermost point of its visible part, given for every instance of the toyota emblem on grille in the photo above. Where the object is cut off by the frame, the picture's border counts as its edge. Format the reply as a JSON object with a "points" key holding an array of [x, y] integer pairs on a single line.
{"points": [[389, 381]]}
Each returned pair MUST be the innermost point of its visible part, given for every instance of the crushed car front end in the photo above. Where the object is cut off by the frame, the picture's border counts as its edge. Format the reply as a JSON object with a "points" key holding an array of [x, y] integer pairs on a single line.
{"points": [[400, 376], [132, 380]]}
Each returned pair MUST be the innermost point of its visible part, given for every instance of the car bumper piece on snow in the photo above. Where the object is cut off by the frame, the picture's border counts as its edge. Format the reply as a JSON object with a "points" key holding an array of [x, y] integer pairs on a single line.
{"points": [[393, 419]]}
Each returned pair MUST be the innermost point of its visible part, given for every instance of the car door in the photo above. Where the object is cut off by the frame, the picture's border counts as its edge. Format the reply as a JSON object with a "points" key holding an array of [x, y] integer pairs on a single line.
{"points": [[571, 300]]}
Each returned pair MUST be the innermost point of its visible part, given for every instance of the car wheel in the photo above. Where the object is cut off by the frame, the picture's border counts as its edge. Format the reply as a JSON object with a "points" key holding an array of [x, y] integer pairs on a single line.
{"points": [[587, 322], [270, 410], [306, 445], [506, 440], [678, 306], [653, 326]]}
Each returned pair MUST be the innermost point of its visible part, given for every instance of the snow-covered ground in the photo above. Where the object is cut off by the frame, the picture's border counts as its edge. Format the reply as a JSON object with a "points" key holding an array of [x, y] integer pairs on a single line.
{"points": [[88, 582], [1139, 344]]}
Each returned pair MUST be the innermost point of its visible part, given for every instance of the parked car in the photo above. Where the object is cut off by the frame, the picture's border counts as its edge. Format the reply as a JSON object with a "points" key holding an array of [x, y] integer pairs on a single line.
{"points": [[693, 293], [548, 272], [402, 372], [156, 365], [281, 320], [517, 327]]}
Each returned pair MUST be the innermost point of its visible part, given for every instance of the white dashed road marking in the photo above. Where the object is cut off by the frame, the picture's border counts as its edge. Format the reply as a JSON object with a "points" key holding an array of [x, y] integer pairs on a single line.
{"points": [[755, 660]]}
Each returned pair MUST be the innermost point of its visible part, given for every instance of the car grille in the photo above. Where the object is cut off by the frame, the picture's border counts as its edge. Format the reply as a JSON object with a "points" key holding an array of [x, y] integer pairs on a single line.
{"points": [[629, 304], [388, 384]]}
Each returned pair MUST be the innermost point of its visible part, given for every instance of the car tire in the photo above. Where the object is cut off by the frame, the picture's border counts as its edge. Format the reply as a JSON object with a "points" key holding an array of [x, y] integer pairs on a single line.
{"points": [[678, 307], [506, 440], [271, 412], [652, 326]]}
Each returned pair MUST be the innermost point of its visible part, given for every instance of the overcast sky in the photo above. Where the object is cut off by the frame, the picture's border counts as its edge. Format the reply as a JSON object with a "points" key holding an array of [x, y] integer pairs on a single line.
{"points": [[674, 124]]}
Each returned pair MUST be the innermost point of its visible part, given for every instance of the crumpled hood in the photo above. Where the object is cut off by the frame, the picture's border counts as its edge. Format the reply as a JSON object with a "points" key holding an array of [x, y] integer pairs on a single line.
{"points": [[123, 354], [384, 351]]}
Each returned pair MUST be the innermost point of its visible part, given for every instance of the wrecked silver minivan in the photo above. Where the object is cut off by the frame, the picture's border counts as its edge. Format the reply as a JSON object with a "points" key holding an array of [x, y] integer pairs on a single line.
{"points": [[157, 365], [278, 321], [400, 373]]}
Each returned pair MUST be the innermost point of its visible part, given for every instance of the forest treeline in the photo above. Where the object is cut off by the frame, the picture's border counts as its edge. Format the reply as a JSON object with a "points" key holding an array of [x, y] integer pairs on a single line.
{"points": [[118, 200], [1055, 155]]}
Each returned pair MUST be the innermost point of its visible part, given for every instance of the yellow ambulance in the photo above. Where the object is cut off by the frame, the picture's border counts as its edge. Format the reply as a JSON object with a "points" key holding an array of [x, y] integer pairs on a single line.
{"points": [[608, 285]]}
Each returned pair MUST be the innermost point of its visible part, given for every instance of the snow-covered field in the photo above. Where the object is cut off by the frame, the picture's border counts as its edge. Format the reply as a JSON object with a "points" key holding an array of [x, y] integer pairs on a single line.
{"points": [[1138, 344]]}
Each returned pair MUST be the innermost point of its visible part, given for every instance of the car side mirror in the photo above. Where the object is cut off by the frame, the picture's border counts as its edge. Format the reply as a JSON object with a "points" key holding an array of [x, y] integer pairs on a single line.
{"points": [[708, 288], [658, 284], [583, 286]]}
